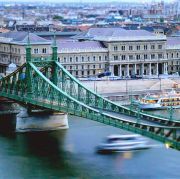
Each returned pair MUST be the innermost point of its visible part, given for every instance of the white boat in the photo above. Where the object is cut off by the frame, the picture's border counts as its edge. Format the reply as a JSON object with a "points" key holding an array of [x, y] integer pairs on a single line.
{"points": [[161, 101], [120, 143]]}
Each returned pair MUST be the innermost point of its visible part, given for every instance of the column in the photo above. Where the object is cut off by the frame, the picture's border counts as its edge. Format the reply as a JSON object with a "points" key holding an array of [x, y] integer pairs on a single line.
{"points": [[142, 69], [150, 69], [166, 68], [120, 71], [111, 69], [157, 69], [135, 69], [127, 70]]}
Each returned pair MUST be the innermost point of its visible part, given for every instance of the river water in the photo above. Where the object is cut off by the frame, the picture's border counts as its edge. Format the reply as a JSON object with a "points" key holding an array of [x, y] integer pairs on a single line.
{"points": [[71, 154]]}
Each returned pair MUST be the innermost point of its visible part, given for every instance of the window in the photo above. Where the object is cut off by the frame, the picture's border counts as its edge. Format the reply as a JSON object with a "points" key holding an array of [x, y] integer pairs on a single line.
{"points": [[82, 59], [94, 58], [123, 47], [177, 55], [105, 58], [64, 59], [35, 50], [44, 50], [130, 57], [160, 56], [131, 47], [76, 59], [82, 66], [138, 57], [94, 66], [99, 58], [88, 59], [99, 65], [138, 47], [145, 56], [159, 46], [152, 47], [172, 55], [123, 57], [70, 59], [115, 48], [145, 47], [82, 73], [152, 56], [167, 55], [70, 67], [115, 57]]}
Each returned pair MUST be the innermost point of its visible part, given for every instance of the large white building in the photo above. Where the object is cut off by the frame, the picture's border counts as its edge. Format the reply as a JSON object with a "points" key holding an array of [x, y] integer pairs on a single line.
{"points": [[122, 52]]}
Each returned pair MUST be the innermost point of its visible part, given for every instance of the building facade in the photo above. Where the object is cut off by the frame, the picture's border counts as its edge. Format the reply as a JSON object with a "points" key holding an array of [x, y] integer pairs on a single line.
{"points": [[122, 52], [13, 45]]}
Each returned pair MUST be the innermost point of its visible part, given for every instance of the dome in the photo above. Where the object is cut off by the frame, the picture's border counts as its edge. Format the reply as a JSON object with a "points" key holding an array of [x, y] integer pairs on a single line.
{"points": [[12, 65]]}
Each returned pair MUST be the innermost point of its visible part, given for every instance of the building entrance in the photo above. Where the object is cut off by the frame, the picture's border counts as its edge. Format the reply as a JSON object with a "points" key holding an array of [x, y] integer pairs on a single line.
{"points": [[160, 68], [116, 70]]}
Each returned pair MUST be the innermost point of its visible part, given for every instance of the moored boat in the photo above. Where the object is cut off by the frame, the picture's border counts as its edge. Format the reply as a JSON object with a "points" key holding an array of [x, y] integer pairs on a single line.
{"points": [[161, 101]]}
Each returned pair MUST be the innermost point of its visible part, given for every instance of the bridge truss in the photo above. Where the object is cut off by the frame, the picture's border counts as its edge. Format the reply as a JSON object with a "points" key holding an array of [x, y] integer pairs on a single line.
{"points": [[45, 83]]}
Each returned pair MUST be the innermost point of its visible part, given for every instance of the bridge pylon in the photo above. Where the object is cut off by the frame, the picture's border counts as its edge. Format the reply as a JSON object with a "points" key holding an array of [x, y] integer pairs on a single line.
{"points": [[54, 59], [48, 85], [28, 74]]}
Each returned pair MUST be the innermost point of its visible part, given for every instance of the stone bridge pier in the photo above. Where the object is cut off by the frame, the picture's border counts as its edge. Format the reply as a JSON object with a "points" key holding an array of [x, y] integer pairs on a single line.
{"points": [[28, 120]]}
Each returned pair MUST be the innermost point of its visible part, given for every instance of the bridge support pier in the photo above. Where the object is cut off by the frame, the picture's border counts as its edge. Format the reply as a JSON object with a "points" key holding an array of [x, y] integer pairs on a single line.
{"points": [[40, 121]]}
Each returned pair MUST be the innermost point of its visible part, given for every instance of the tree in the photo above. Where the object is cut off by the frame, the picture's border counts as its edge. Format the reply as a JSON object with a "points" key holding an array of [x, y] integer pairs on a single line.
{"points": [[57, 17]]}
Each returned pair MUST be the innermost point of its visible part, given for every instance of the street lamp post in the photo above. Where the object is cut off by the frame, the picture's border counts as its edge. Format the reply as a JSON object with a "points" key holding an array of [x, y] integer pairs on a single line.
{"points": [[171, 111], [126, 87], [160, 86]]}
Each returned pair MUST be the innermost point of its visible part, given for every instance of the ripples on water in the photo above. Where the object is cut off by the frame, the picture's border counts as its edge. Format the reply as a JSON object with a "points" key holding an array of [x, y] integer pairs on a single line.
{"points": [[71, 154], [166, 113]]}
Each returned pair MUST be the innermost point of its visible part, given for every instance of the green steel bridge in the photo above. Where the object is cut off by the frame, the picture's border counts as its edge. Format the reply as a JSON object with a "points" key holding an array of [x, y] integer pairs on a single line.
{"points": [[43, 83]]}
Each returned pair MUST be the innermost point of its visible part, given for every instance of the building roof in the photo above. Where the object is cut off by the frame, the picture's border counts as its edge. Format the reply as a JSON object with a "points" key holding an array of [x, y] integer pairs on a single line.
{"points": [[115, 32], [92, 32], [173, 42], [176, 34], [22, 38], [119, 34], [84, 46]]}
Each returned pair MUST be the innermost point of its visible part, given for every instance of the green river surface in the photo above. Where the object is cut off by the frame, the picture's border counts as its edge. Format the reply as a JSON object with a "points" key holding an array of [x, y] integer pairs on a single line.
{"points": [[72, 154]]}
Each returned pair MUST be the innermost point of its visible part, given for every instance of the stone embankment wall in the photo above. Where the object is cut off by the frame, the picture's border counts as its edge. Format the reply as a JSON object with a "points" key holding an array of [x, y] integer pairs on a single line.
{"points": [[119, 86]]}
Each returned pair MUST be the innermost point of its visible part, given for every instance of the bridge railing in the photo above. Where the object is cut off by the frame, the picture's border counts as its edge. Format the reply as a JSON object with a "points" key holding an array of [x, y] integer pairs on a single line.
{"points": [[93, 99], [43, 93]]}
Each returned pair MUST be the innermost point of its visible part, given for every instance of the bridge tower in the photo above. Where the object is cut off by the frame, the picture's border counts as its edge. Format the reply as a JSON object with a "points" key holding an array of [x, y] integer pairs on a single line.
{"points": [[27, 120], [54, 59], [28, 71]]}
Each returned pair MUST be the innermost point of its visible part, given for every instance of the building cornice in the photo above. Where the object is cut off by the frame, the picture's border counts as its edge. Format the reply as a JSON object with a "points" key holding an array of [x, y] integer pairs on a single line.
{"points": [[89, 50], [130, 39]]}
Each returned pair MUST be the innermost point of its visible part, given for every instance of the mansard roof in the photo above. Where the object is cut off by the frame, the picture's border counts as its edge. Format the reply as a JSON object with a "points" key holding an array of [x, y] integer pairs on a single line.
{"points": [[76, 46], [21, 38], [119, 34], [173, 42]]}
